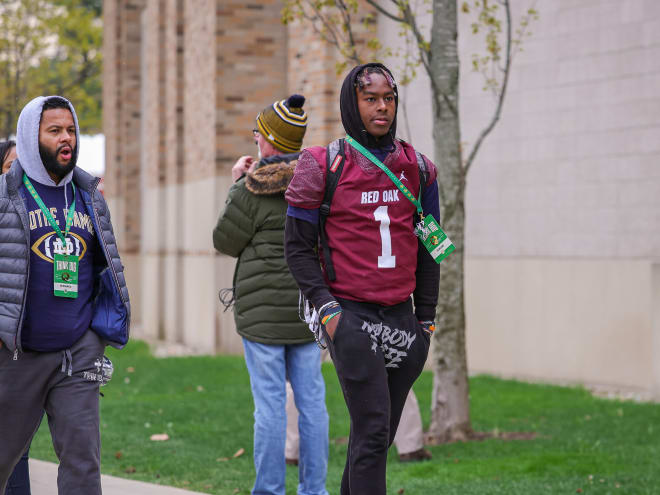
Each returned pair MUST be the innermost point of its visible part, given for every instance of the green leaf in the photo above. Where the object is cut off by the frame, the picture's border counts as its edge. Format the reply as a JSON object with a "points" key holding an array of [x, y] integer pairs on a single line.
{"points": [[68, 64]]}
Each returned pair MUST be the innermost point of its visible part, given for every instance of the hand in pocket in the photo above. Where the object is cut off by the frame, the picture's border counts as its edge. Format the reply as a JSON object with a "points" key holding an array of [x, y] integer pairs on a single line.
{"points": [[331, 327]]}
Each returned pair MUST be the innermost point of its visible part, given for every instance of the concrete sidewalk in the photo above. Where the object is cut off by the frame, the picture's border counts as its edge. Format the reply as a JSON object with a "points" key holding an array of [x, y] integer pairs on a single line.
{"points": [[43, 478]]}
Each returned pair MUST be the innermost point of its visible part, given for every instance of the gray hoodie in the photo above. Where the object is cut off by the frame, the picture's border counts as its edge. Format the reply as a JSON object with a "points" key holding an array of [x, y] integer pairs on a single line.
{"points": [[27, 142]]}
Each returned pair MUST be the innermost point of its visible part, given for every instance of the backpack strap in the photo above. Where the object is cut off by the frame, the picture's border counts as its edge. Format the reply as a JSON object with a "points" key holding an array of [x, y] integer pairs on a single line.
{"points": [[423, 173], [334, 162]]}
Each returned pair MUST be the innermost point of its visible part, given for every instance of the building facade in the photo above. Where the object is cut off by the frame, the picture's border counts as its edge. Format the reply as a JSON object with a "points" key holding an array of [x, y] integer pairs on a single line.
{"points": [[563, 202]]}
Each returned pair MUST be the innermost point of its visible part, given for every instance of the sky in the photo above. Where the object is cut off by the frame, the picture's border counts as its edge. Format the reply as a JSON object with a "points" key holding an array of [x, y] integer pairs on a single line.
{"points": [[92, 154]]}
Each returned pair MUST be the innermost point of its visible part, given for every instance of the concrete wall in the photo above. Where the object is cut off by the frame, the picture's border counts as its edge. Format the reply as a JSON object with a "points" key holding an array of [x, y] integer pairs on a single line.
{"points": [[563, 202], [574, 320]]}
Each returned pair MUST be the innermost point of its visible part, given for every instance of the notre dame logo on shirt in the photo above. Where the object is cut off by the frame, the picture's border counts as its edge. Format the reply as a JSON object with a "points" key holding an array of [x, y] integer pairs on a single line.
{"points": [[50, 243]]}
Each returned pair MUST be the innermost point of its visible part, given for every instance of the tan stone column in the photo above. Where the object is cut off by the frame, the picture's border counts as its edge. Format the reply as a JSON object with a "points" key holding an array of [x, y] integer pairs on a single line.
{"points": [[153, 221], [196, 198], [251, 73], [655, 325], [121, 114], [174, 162]]}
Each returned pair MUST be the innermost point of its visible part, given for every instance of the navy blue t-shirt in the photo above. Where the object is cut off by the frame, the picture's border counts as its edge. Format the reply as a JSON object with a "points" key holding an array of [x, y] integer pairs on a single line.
{"points": [[54, 323]]}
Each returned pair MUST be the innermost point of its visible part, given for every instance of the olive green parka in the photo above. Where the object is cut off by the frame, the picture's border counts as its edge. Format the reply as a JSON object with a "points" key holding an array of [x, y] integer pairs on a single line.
{"points": [[251, 228]]}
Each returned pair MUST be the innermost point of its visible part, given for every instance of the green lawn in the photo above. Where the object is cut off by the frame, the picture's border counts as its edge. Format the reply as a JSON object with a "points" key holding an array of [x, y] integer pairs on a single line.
{"points": [[584, 444]]}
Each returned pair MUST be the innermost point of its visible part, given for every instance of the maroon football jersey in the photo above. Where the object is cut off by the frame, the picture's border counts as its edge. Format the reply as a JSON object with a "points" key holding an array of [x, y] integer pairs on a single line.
{"points": [[370, 226]]}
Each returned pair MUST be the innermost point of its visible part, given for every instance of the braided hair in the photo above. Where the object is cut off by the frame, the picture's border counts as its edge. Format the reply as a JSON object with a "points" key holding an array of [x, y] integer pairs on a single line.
{"points": [[358, 79]]}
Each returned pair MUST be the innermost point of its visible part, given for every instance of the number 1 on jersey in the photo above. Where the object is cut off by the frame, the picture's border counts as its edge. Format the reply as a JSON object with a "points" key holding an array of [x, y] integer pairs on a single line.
{"points": [[386, 259]]}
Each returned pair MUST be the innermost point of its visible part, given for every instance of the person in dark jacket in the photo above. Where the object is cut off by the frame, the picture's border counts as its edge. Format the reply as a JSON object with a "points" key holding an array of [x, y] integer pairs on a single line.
{"points": [[7, 155], [19, 481], [63, 297], [278, 346]]}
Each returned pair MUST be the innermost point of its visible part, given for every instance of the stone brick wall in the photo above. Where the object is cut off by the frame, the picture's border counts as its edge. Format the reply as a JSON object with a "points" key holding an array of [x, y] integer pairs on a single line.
{"points": [[152, 114], [122, 119], [111, 76], [256, 59], [173, 90], [312, 72], [251, 73], [199, 89], [183, 84]]}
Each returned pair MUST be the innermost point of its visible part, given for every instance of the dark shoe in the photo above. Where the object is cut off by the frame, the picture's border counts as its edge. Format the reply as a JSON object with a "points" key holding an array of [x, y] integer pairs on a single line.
{"points": [[418, 455], [291, 462]]}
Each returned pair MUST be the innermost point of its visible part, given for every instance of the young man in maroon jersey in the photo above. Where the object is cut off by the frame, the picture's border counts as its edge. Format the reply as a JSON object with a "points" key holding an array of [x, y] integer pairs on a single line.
{"points": [[377, 341]]}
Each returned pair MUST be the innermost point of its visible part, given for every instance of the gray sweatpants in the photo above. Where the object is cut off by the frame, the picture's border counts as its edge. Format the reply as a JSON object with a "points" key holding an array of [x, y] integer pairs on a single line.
{"points": [[63, 384]]}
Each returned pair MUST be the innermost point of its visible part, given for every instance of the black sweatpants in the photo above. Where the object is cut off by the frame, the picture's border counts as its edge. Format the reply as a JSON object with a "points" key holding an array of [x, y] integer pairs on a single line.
{"points": [[38, 381], [378, 351]]}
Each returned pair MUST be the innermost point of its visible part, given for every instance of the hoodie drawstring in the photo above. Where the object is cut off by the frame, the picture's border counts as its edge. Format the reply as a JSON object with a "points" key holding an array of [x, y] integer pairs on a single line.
{"points": [[66, 358], [308, 314], [66, 199]]}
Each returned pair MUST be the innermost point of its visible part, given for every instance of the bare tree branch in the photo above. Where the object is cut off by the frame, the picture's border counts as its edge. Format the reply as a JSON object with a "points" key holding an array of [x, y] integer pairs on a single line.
{"points": [[88, 70], [387, 14], [411, 20], [326, 23], [329, 31], [349, 29], [522, 32], [406, 120], [502, 93]]}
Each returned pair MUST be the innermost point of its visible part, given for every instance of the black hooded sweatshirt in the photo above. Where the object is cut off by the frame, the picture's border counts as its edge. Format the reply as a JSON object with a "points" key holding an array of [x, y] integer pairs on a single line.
{"points": [[350, 115], [301, 237]]}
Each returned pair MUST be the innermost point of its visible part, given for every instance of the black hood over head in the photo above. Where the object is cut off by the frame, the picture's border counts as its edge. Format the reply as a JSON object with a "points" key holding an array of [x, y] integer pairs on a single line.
{"points": [[350, 115]]}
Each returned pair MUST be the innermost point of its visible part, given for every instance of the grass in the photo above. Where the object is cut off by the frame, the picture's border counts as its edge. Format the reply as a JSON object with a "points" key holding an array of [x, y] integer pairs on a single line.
{"points": [[583, 444]]}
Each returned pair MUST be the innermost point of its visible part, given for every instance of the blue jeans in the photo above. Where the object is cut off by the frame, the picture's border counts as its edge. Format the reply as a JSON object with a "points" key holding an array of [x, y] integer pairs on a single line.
{"points": [[270, 366], [19, 481]]}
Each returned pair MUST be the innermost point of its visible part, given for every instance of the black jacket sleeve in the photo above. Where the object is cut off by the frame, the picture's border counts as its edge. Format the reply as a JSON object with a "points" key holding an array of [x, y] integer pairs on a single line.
{"points": [[428, 271], [427, 285], [300, 242]]}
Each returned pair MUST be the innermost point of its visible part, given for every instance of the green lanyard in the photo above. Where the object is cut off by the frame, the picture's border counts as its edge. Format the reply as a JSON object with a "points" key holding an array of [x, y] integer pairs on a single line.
{"points": [[48, 215], [368, 154], [429, 232]]}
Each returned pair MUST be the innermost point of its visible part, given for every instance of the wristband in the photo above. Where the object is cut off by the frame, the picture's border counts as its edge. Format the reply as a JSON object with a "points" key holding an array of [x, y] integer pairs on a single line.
{"points": [[328, 308], [328, 305], [428, 326], [329, 317]]}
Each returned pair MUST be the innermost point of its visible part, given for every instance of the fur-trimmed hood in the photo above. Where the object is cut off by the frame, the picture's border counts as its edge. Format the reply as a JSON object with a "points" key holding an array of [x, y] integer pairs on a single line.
{"points": [[272, 178]]}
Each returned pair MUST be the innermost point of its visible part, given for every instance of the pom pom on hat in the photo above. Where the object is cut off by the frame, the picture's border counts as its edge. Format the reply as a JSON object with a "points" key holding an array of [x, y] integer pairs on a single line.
{"points": [[295, 101]]}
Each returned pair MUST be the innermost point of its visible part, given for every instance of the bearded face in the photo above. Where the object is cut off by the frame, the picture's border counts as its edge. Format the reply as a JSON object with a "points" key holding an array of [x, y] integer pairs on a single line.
{"points": [[57, 141]]}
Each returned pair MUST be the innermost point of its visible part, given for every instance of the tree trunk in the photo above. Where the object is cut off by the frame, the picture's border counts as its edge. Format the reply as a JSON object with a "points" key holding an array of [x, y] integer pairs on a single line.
{"points": [[450, 416]]}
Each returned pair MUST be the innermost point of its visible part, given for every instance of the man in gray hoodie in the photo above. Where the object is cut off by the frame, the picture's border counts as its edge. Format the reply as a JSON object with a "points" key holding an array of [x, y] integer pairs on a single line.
{"points": [[63, 297]]}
